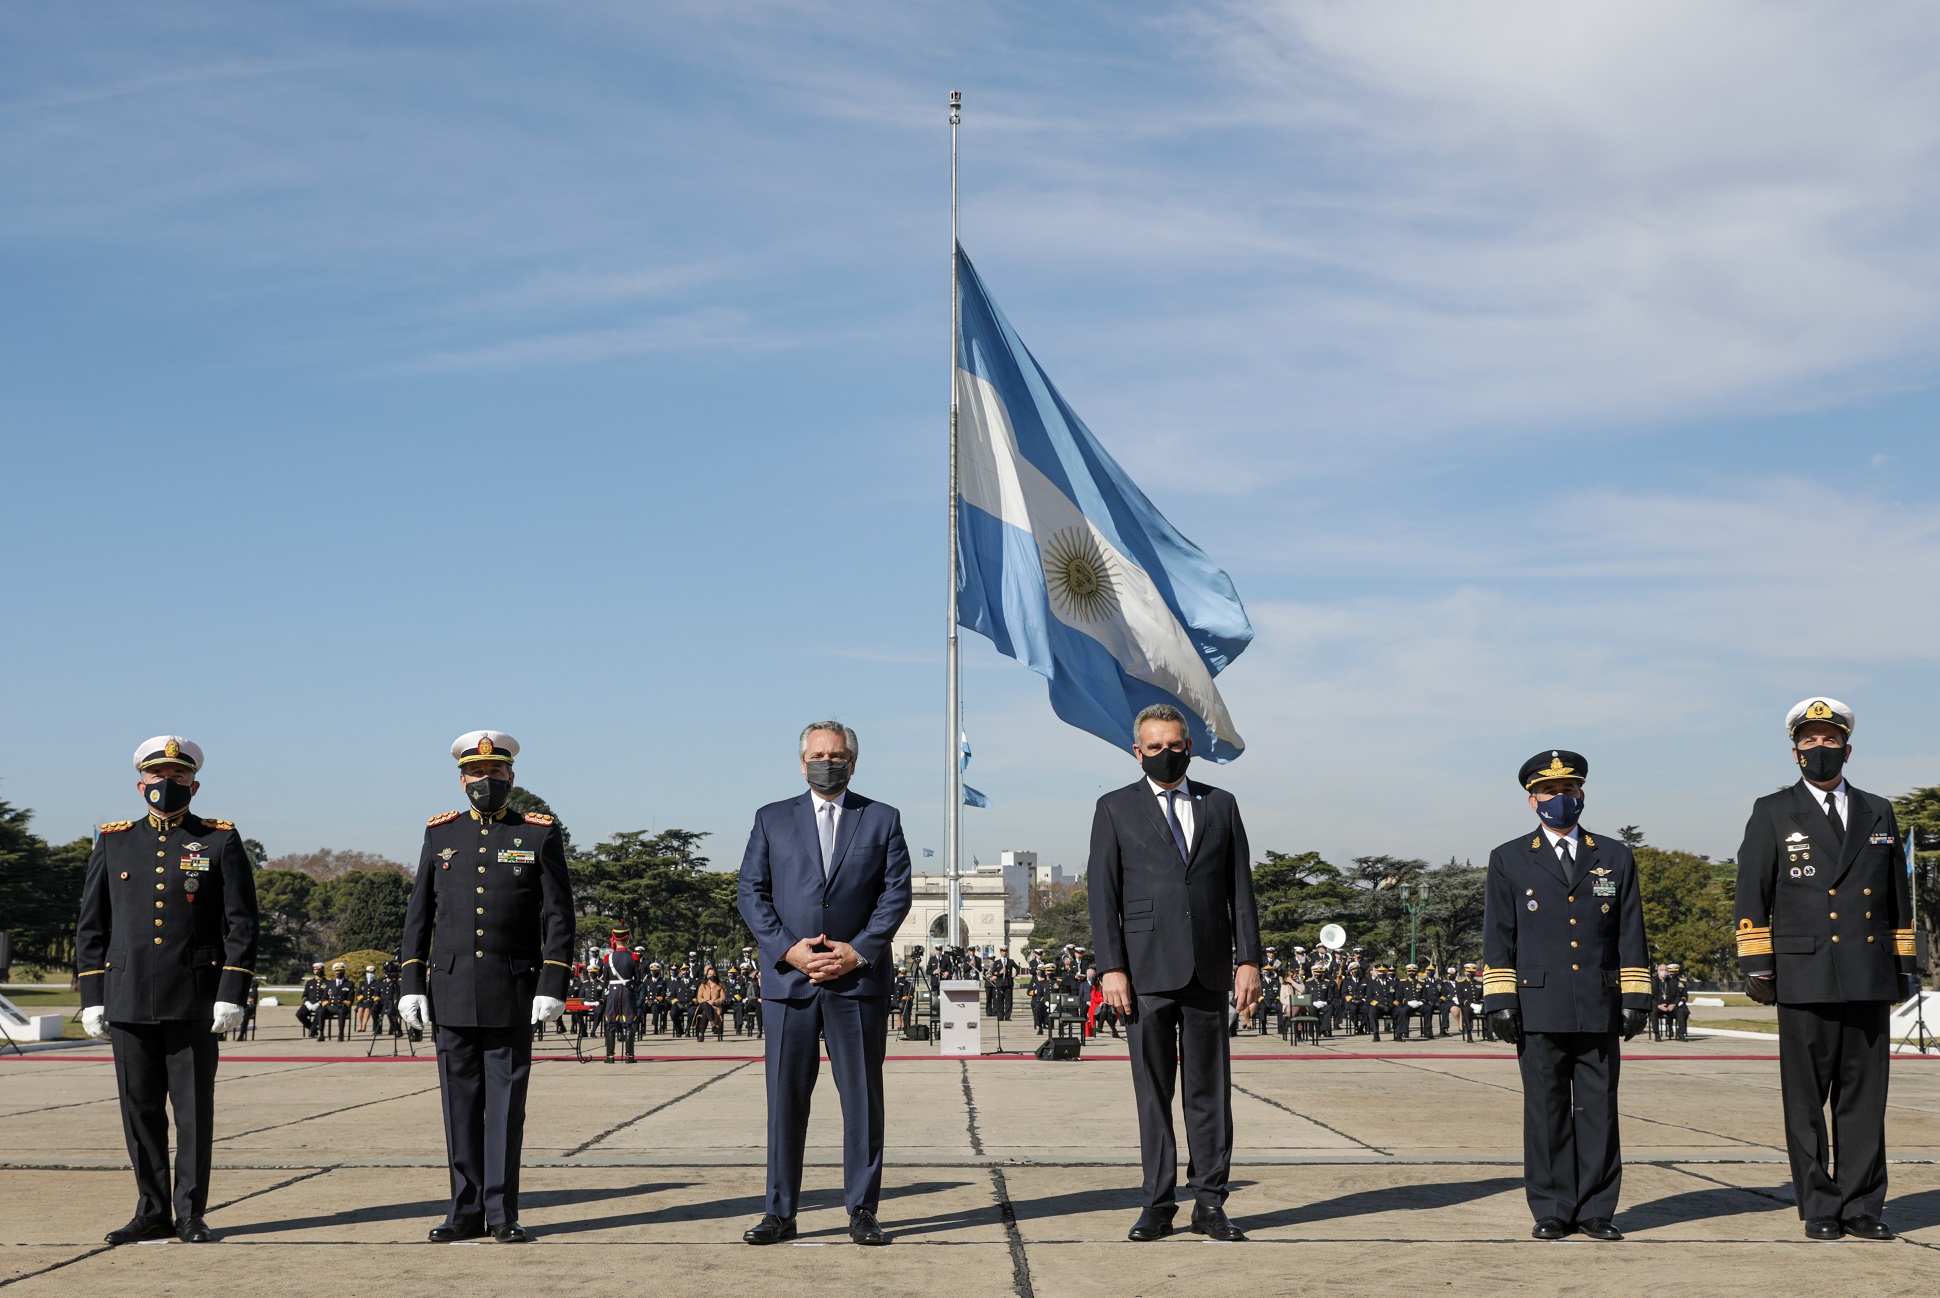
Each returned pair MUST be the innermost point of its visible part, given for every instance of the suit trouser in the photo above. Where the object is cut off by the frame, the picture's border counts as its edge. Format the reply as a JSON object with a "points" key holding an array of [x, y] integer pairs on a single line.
{"points": [[857, 1031], [158, 1065], [482, 1073], [1837, 1053], [1176, 1032], [1572, 1160]]}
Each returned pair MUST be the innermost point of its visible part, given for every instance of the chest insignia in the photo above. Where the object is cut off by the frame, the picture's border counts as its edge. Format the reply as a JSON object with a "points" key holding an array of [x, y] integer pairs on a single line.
{"points": [[1599, 871], [192, 847], [1796, 836], [1810, 871], [1797, 873], [1532, 903], [192, 884], [448, 853], [1604, 888], [520, 858], [1880, 838], [198, 863]]}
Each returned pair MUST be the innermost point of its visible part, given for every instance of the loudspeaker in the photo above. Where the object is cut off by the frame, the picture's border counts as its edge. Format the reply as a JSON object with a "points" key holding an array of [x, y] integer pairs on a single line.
{"points": [[1060, 1048], [917, 1032]]}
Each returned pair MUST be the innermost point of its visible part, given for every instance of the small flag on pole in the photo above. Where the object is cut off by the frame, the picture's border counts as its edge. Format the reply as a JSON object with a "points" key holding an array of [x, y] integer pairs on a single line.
{"points": [[971, 798]]}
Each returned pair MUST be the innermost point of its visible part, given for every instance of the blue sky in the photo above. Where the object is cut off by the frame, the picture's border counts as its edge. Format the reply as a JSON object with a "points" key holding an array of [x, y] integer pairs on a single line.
{"points": [[1542, 375]]}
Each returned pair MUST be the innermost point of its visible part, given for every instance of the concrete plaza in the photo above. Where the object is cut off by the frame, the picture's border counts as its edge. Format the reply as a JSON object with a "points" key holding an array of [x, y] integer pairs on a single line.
{"points": [[1359, 1170]]}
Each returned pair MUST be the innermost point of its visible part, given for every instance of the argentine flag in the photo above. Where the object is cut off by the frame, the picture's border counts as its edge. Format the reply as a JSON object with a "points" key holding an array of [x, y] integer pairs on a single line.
{"points": [[1064, 563]]}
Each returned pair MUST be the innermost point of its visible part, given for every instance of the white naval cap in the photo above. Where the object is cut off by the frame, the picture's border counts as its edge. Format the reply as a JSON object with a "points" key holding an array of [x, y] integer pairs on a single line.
{"points": [[484, 746], [168, 748], [1818, 708]]}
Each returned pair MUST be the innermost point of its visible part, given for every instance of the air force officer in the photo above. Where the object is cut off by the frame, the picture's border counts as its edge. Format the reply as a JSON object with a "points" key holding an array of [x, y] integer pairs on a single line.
{"points": [[824, 885]]}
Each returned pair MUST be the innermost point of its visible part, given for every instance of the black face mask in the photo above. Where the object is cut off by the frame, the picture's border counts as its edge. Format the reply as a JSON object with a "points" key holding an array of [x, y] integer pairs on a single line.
{"points": [[489, 795], [168, 797], [1166, 766], [1822, 763], [828, 777]]}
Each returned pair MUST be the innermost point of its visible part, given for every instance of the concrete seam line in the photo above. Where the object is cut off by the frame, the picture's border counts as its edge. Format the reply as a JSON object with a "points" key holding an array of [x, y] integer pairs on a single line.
{"points": [[312, 1117], [271, 1189], [970, 1111], [642, 1117], [1316, 1121], [1020, 1263], [29, 1275]]}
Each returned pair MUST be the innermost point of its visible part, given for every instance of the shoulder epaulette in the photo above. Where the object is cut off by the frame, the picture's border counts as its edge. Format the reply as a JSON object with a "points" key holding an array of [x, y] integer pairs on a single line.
{"points": [[534, 818], [116, 826], [444, 818], [218, 824]]}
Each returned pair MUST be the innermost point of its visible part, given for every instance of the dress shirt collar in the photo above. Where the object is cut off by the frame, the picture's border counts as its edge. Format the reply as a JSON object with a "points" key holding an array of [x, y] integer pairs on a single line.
{"points": [[1575, 837], [1185, 787], [839, 801]]}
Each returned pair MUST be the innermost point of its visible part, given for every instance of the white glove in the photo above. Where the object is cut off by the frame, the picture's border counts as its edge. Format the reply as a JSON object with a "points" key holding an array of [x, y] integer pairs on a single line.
{"points": [[547, 1008], [94, 1022], [415, 1011], [228, 1018]]}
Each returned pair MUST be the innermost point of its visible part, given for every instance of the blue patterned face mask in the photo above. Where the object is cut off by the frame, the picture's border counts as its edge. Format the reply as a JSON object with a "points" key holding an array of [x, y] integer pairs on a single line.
{"points": [[1561, 811]]}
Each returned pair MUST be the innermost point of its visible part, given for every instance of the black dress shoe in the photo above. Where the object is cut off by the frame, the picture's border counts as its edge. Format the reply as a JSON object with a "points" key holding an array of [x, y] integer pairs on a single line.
{"points": [[769, 1230], [193, 1230], [1153, 1223], [1823, 1228], [1867, 1228], [864, 1229], [1551, 1228], [450, 1234], [142, 1228], [1209, 1219], [511, 1233], [1600, 1228]]}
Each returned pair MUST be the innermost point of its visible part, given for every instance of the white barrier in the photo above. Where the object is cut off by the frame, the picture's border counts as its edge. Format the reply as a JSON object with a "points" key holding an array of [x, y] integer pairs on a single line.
{"points": [[21, 1026], [960, 1016]]}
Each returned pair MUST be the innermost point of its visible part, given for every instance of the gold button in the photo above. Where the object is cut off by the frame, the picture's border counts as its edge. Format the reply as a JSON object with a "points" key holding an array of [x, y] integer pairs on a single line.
{"points": [[478, 932], [1572, 919], [481, 910], [1572, 944], [158, 923], [481, 890], [1868, 891], [1869, 914], [1835, 914], [481, 869], [1528, 892], [1835, 937], [479, 954], [1869, 939], [158, 905], [158, 941], [481, 851], [161, 838], [1576, 966], [1572, 897], [158, 869], [484, 831], [161, 853], [1832, 892]]}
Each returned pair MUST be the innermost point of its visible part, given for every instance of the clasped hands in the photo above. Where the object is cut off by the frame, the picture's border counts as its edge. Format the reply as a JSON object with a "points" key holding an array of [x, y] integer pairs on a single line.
{"points": [[823, 966]]}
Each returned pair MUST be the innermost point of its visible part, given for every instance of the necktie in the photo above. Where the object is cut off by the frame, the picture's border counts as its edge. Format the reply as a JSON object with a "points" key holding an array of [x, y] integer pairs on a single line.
{"points": [[1563, 854], [1832, 814], [1172, 819], [825, 822]]}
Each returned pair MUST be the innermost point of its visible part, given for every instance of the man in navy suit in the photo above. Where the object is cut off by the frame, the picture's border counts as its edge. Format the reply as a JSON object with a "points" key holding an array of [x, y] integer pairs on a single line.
{"points": [[824, 886], [1172, 914]]}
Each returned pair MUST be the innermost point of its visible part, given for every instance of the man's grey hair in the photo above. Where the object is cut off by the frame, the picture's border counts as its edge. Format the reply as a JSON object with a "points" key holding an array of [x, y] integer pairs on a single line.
{"points": [[834, 727], [1158, 712]]}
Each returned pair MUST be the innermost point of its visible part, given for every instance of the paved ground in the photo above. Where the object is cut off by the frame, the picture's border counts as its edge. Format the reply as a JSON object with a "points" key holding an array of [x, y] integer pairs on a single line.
{"points": [[1359, 1171]]}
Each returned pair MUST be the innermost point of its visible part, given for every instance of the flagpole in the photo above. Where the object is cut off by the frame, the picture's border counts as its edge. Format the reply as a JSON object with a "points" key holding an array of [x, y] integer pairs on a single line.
{"points": [[953, 705]]}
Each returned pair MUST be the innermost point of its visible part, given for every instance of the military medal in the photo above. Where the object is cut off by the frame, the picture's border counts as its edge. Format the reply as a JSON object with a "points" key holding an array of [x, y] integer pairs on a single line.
{"points": [[1532, 904], [192, 884]]}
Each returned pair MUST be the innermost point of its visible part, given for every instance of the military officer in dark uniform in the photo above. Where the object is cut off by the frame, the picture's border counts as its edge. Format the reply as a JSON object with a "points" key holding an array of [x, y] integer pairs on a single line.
{"points": [[1825, 930], [338, 997], [1672, 1005], [489, 931], [166, 949], [1565, 971], [309, 1014]]}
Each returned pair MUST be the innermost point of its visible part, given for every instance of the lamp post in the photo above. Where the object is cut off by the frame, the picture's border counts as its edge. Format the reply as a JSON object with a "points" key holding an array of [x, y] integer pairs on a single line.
{"points": [[1413, 900]]}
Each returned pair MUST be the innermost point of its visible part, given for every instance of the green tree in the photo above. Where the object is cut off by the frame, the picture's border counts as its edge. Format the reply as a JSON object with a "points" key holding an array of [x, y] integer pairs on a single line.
{"points": [[40, 890], [285, 901], [1067, 922], [1451, 914], [660, 887], [1918, 813], [1297, 892], [1687, 913], [524, 800], [367, 909]]}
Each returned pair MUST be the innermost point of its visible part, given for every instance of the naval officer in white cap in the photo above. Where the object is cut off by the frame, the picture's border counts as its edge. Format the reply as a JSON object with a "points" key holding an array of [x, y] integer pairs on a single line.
{"points": [[488, 942], [1825, 931], [166, 949]]}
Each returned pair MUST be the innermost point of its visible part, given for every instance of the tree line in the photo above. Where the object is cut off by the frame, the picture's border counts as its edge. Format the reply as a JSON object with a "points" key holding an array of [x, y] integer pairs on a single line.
{"points": [[319, 905]]}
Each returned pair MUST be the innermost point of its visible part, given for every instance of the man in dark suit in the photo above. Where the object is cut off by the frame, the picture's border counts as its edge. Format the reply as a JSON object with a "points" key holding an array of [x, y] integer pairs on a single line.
{"points": [[1825, 930], [1171, 884], [824, 885], [488, 943], [1564, 971], [166, 951]]}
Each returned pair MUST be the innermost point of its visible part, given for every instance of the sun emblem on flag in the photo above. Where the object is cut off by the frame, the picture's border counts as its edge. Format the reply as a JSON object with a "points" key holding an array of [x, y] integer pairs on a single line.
{"points": [[1080, 576]]}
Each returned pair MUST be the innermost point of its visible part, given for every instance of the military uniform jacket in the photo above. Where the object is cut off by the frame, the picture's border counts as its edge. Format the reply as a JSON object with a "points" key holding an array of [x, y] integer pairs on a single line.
{"points": [[168, 920], [1568, 951], [490, 924], [1833, 921]]}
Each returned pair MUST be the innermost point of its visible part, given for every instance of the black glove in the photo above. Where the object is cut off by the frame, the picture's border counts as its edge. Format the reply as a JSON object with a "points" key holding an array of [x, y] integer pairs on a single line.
{"points": [[1762, 990], [1635, 1021], [1507, 1025]]}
